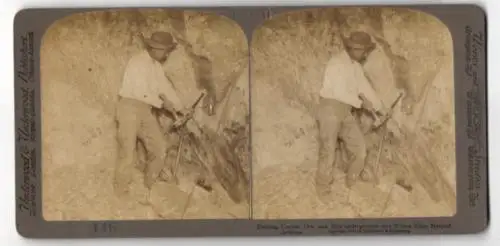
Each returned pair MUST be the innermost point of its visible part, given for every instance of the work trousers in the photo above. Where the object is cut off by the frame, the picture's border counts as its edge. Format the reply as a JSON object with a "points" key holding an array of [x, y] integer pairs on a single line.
{"points": [[136, 121], [336, 122]]}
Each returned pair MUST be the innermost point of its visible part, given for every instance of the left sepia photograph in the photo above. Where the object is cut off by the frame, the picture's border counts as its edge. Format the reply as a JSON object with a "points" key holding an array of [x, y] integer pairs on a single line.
{"points": [[145, 116]]}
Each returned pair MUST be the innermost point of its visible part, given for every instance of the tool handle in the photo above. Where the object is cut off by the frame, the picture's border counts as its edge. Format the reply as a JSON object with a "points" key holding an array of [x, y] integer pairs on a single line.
{"points": [[198, 100], [184, 119]]}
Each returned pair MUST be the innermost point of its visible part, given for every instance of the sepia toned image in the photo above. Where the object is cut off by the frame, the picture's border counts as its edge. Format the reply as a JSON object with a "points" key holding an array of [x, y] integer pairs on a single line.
{"points": [[145, 115], [352, 115]]}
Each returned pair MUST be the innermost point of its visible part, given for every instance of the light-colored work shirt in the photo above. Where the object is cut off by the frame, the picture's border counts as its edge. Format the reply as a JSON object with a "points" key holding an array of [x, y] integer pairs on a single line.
{"points": [[144, 80], [344, 80]]}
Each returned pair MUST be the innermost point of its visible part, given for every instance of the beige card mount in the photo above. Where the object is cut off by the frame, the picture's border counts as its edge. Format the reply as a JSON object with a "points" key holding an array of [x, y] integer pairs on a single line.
{"points": [[251, 121]]}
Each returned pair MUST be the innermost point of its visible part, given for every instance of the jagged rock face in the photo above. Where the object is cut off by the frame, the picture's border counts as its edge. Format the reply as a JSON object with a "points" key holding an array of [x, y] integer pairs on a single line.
{"points": [[83, 58], [414, 56]]}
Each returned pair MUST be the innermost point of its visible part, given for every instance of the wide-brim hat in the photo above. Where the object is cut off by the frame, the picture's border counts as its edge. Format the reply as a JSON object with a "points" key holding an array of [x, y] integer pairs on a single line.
{"points": [[160, 40], [359, 40]]}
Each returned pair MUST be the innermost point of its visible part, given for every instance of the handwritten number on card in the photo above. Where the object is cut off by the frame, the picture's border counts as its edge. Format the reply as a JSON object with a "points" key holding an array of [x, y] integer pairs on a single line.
{"points": [[104, 227]]}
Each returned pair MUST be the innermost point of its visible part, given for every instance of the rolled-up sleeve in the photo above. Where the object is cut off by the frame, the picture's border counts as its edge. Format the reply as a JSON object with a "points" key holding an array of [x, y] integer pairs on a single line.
{"points": [[365, 88], [166, 88]]}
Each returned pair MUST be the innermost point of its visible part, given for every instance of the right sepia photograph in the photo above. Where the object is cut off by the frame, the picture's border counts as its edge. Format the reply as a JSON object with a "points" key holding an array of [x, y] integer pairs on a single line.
{"points": [[352, 115]]}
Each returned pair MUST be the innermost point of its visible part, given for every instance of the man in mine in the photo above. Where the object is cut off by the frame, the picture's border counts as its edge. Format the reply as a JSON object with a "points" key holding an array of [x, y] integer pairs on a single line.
{"points": [[145, 88], [345, 88]]}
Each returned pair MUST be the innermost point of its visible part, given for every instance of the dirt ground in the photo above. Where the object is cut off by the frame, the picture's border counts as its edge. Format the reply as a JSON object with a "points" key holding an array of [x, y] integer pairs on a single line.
{"points": [[83, 57], [289, 53]]}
